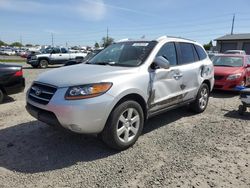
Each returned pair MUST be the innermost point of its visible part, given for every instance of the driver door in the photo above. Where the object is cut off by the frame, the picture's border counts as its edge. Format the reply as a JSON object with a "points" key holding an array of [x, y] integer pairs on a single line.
{"points": [[166, 83]]}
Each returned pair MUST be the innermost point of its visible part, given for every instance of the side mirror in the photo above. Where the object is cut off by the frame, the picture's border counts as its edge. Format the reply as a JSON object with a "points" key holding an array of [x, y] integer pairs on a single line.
{"points": [[248, 66], [162, 62]]}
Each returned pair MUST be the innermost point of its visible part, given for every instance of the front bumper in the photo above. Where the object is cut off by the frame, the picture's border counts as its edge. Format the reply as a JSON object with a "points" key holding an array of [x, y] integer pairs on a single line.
{"points": [[87, 116], [227, 85], [32, 62]]}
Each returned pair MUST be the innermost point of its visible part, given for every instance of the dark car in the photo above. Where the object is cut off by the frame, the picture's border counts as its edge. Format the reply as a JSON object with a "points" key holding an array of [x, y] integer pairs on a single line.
{"points": [[11, 80], [231, 70]]}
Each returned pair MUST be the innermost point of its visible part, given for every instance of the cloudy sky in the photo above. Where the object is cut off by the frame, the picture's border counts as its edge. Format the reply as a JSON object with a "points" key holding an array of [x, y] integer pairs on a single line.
{"points": [[84, 22]]}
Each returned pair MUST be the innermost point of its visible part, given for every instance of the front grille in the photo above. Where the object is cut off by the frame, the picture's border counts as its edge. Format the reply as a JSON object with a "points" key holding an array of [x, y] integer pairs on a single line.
{"points": [[41, 93], [218, 77]]}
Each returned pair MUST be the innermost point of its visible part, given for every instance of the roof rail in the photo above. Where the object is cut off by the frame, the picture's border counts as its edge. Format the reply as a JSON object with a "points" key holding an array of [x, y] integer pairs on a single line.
{"points": [[162, 37], [181, 38]]}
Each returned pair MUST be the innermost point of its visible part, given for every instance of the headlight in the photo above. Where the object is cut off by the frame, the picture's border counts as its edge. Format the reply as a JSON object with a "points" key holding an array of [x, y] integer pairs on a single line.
{"points": [[87, 91], [234, 76]]}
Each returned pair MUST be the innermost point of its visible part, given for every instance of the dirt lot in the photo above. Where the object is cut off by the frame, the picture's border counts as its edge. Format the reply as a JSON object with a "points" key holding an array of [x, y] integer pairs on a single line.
{"points": [[177, 149]]}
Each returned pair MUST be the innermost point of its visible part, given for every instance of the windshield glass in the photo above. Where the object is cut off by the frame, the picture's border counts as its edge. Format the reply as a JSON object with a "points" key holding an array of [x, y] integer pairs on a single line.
{"points": [[129, 54], [226, 61]]}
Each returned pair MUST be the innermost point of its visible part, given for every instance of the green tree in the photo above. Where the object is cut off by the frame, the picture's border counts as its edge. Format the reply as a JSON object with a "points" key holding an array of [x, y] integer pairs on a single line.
{"points": [[2, 43], [208, 46], [106, 41], [18, 44], [97, 45]]}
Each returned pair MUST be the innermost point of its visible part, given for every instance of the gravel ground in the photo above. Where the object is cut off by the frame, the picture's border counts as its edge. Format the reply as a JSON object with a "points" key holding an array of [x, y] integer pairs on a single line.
{"points": [[177, 149]]}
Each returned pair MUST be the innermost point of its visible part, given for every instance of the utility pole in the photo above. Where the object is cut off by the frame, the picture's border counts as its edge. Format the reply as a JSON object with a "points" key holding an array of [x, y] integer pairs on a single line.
{"points": [[232, 29], [107, 35], [52, 39]]}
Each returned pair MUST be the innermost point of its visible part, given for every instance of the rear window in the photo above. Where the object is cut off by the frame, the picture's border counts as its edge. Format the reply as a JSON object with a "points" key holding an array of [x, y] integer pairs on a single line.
{"points": [[201, 53]]}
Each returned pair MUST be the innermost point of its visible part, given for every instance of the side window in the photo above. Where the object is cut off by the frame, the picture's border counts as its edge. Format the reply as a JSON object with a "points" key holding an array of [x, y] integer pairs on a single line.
{"points": [[169, 52], [55, 51], [187, 54], [202, 54], [63, 50], [248, 60]]}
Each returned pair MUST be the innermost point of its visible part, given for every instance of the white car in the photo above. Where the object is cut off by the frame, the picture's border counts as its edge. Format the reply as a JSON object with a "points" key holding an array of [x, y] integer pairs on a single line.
{"points": [[122, 86], [53, 56]]}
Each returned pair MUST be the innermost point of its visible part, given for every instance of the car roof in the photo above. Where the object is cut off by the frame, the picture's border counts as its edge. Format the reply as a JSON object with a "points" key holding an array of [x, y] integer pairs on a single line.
{"points": [[162, 39]]}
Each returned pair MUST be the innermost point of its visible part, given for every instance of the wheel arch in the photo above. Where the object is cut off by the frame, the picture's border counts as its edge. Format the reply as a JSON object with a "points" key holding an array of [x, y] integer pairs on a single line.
{"points": [[208, 83], [135, 97]]}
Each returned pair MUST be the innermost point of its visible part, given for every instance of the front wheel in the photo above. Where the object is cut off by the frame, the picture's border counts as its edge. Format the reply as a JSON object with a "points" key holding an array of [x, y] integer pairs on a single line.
{"points": [[43, 63], [124, 125], [201, 101]]}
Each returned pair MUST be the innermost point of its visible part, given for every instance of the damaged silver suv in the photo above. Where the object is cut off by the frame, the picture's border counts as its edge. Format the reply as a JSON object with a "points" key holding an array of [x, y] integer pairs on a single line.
{"points": [[115, 92]]}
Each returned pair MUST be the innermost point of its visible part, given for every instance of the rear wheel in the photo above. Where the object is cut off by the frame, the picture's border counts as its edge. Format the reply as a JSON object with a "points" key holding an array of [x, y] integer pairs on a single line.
{"points": [[201, 101], [1, 96], [124, 125], [43, 63]]}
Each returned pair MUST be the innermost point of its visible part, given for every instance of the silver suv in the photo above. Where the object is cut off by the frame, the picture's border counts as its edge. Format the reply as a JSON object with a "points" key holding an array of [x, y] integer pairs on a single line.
{"points": [[115, 92]]}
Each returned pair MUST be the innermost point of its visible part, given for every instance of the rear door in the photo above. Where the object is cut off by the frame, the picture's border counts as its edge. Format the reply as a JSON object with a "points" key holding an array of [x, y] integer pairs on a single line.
{"points": [[190, 66], [64, 56], [55, 56], [166, 84]]}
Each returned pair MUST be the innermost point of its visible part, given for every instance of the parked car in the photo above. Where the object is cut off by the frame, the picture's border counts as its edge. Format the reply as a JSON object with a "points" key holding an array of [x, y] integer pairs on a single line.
{"points": [[7, 51], [52, 56], [231, 70], [11, 80], [122, 86], [235, 52], [79, 60]]}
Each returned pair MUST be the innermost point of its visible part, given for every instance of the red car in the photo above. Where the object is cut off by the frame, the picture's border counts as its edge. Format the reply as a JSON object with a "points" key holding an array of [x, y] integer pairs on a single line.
{"points": [[231, 71]]}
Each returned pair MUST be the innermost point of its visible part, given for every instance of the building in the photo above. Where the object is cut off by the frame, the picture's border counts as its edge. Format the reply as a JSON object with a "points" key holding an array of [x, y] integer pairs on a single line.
{"points": [[234, 42]]}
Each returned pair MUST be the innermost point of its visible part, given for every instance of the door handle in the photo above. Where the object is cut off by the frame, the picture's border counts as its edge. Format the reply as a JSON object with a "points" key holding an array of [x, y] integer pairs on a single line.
{"points": [[177, 76]]}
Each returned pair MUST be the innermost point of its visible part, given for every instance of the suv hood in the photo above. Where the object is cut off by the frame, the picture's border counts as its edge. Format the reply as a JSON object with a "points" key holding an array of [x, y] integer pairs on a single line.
{"points": [[227, 70], [83, 74]]}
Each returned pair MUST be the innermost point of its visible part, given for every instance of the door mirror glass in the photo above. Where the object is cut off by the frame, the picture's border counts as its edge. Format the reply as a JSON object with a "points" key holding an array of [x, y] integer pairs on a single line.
{"points": [[162, 62]]}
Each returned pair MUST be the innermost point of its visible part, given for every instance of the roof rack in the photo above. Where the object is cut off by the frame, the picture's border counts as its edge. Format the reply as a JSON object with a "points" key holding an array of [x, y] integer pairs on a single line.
{"points": [[181, 38]]}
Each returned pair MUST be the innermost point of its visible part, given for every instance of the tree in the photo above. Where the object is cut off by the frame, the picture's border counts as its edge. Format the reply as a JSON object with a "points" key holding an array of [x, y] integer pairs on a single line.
{"points": [[97, 45], [208, 46], [106, 41], [18, 44], [2, 43]]}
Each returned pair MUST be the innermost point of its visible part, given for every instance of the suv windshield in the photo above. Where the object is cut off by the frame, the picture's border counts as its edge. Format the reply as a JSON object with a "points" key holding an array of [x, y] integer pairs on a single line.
{"points": [[128, 54], [225, 61]]}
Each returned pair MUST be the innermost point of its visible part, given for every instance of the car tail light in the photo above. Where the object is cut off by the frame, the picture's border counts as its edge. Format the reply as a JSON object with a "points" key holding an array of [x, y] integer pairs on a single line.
{"points": [[19, 73]]}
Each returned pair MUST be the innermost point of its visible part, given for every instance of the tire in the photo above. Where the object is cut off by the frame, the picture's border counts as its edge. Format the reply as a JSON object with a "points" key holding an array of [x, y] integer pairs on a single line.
{"points": [[1, 96], [121, 131], [242, 109], [201, 101], [43, 63]]}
